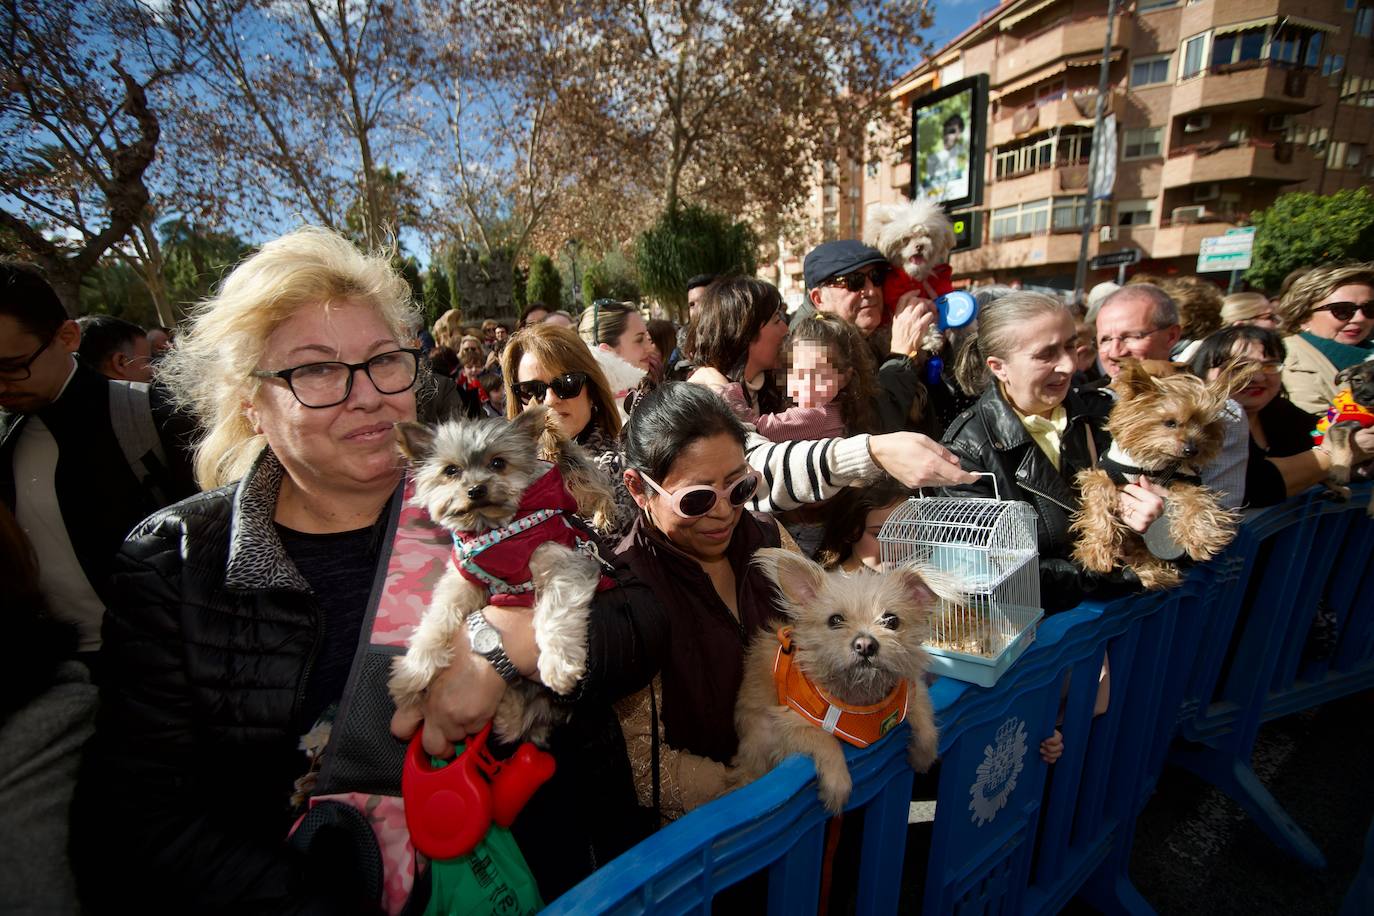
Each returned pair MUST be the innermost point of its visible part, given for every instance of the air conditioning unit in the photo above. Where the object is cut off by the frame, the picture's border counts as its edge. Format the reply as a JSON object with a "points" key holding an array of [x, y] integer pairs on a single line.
{"points": [[1278, 123], [1189, 214], [1106, 234], [1209, 191], [1194, 123]]}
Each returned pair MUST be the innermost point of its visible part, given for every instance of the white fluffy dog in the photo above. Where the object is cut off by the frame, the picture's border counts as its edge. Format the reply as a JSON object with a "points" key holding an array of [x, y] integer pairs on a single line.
{"points": [[915, 236]]}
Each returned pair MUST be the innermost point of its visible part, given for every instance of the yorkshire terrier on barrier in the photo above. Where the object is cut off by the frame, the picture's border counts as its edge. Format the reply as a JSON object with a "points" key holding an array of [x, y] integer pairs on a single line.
{"points": [[1164, 428]]}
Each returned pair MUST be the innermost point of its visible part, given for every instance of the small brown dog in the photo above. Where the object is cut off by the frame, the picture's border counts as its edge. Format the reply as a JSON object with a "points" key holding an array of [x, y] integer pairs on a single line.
{"points": [[1352, 410], [1164, 429], [849, 667]]}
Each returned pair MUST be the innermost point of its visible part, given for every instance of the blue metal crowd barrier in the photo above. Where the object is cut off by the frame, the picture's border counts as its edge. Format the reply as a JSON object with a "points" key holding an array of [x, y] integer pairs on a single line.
{"points": [[1210, 660]]}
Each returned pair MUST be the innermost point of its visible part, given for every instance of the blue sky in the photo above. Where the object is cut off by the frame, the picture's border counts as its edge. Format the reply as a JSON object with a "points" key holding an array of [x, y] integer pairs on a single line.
{"points": [[952, 17]]}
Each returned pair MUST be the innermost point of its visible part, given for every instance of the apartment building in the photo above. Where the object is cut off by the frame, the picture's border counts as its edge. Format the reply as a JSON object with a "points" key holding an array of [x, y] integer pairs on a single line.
{"points": [[1221, 106]]}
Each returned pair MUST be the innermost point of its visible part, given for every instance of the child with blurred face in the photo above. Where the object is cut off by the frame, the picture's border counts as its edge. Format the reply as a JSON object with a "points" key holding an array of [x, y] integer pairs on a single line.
{"points": [[813, 381]]}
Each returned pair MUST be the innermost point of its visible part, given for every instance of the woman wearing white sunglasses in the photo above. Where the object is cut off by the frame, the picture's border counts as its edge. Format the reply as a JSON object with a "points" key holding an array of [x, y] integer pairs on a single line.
{"points": [[692, 543]]}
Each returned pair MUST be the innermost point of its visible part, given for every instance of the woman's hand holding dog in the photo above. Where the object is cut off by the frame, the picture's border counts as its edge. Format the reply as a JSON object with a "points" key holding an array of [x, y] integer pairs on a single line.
{"points": [[1140, 504], [464, 696]]}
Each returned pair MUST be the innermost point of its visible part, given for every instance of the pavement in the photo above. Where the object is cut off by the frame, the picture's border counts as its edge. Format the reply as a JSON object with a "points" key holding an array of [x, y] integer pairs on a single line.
{"points": [[1197, 852]]}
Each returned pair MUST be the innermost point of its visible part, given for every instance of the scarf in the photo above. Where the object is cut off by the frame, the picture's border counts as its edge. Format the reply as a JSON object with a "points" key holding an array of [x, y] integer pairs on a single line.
{"points": [[1342, 356]]}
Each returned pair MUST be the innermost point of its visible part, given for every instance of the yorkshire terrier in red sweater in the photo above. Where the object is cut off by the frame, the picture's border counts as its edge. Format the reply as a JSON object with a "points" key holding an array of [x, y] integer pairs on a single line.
{"points": [[509, 493]]}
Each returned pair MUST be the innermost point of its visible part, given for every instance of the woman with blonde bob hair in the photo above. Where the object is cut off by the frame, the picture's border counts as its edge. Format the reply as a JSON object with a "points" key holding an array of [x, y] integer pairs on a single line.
{"points": [[238, 613], [1329, 314]]}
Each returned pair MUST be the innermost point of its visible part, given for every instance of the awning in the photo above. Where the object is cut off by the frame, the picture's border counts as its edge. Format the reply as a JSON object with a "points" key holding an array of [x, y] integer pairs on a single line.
{"points": [[1312, 24], [1248, 24], [1023, 14], [1092, 60], [1038, 77]]}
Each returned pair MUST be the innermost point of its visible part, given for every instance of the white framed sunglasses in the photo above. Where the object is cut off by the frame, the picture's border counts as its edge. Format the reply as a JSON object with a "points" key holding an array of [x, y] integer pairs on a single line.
{"points": [[696, 501]]}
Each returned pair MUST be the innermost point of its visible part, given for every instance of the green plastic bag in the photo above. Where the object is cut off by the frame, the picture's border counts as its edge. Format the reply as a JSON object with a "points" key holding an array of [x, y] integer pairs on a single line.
{"points": [[493, 878]]}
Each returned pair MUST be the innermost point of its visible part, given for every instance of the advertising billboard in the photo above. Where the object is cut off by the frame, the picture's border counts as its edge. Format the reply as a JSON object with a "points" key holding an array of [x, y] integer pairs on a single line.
{"points": [[949, 131]]}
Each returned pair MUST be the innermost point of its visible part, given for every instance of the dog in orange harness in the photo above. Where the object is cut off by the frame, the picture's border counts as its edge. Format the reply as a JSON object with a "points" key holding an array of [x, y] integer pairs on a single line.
{"points": [[848, 667]]}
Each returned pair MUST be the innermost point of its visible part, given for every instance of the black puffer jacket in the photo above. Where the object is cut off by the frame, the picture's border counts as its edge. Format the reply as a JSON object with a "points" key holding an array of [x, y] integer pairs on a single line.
{"points": [[183, 804], [990, 437]]}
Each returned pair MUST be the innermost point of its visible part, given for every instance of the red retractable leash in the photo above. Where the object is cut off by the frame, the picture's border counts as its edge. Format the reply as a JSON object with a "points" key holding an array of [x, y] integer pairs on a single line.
{"points": [[450, 808]]}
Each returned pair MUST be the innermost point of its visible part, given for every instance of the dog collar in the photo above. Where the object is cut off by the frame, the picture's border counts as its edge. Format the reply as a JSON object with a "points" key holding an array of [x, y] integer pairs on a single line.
{"points": [[856, 725], [1120, 467]]}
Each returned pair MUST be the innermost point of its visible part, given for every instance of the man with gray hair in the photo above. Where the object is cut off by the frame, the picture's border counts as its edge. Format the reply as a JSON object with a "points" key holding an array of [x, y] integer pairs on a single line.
{"points": [[1140, 321]]}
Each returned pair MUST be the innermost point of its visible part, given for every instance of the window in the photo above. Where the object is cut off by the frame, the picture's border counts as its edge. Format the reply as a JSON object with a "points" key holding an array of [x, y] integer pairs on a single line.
{"points": [[1022, 219], [1349, 5], [1354, 155], [1239, 133], [1135, 212], [1142, 143], [1068, 212], [1235, 47], [1193, 51], [1332, 64], [1068, 147], [1336, 154], [1363, 20], [1049, 92], [1313, 57], [1150, 70], [1144, 6]]}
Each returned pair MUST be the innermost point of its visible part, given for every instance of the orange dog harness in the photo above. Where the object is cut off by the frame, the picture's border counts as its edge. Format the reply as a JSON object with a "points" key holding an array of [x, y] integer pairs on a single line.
{"points": [[856, 725]]}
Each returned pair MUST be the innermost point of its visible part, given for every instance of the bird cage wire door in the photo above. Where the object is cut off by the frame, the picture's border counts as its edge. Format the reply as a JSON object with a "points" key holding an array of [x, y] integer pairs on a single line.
{"points": [[986, 550]]}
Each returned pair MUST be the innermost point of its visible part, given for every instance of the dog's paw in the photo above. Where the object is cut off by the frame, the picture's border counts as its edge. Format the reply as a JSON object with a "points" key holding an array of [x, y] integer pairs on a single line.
{"points": [[924, 747], [834, 787], [408, 682], [1157, 575], [561, 673]]}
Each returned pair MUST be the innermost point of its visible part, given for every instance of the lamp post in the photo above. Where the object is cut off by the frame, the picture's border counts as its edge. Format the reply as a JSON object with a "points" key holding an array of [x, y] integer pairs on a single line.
{"points": [[1081, 278], [574, 247]]}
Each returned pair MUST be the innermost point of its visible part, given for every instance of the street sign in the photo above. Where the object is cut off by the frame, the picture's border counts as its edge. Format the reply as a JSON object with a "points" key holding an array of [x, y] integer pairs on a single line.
{"points": [[1115, 259], [1226, 252]]}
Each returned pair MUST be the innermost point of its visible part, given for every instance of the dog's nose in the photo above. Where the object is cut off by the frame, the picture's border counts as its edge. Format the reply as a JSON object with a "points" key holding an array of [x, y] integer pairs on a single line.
{"points": [[866, 646], [1189, 450], [478, 492]]}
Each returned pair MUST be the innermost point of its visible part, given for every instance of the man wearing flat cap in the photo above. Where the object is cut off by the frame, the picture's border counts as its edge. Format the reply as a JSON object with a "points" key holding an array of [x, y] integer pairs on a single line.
{"points": [[845, 279]]}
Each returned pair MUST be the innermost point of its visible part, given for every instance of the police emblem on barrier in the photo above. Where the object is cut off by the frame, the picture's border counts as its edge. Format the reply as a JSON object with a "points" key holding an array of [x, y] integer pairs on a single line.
{"points": [[997, 774]]}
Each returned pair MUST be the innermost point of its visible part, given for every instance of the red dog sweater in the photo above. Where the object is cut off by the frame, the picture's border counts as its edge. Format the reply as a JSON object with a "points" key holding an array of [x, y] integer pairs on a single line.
{"points": [[499, 560]]}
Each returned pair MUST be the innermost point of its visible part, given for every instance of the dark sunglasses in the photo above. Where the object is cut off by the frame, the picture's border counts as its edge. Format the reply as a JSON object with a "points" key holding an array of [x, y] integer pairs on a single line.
{"points": [[1344, 311], [694, 502], [854, 282], [567, 386]]}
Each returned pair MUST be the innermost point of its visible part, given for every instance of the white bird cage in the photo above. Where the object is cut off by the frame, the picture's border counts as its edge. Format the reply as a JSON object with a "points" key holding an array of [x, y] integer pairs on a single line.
{"points": [[986, 550]]}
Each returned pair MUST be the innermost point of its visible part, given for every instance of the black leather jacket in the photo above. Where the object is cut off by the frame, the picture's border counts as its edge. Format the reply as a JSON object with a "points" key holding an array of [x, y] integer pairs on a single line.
{"points": [[183, 803], [989, 437]]}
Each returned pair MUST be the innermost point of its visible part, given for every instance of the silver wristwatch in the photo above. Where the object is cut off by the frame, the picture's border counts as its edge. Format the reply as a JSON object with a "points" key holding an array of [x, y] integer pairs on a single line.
{"points": [[486, 642]]}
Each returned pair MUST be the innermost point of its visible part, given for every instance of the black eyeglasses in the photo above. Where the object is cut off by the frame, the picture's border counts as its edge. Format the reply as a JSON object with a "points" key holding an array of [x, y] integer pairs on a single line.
{"points": [[854, 282], [567, 386], [329, 383], [24, 370], [1344, 311]]}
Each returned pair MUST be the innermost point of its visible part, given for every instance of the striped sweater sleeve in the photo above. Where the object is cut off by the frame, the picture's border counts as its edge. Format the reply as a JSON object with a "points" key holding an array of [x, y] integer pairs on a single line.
{"points": [[800, 472]]}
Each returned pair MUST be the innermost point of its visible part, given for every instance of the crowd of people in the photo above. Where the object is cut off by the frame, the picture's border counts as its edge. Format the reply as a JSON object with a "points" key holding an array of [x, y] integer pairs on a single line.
{"points": [[194, 519]]}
